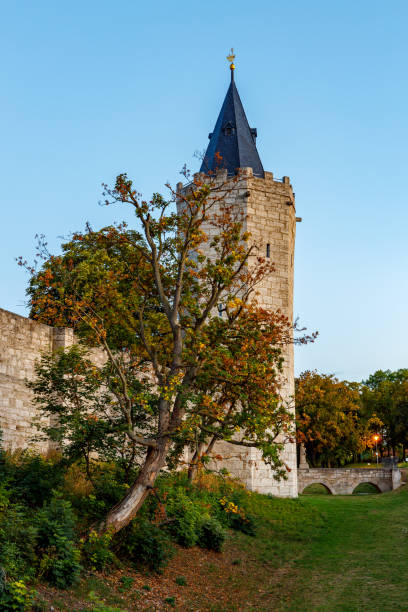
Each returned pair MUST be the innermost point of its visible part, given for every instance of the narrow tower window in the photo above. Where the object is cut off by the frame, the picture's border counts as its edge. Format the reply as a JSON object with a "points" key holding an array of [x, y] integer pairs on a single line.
{"points": [[268, 250]]}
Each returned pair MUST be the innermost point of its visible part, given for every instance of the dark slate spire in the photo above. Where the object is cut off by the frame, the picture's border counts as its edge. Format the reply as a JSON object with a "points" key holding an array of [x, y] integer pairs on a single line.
{"points": [[232, 138]]}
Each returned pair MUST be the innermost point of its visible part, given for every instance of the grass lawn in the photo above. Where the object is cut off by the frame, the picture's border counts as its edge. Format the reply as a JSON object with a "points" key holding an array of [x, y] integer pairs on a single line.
{"points": [[317, 553], [360, 560]]}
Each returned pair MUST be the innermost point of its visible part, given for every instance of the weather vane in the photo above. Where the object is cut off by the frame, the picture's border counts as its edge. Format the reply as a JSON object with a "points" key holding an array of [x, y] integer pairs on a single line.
{"points": [[231, 58]]}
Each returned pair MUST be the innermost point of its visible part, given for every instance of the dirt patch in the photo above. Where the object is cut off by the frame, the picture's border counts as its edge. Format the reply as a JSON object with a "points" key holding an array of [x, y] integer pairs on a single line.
{"points": [[195, 580]]}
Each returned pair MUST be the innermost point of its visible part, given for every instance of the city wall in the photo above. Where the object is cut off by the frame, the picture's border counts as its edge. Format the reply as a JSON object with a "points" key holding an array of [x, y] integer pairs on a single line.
{"points": [[22, 341]]}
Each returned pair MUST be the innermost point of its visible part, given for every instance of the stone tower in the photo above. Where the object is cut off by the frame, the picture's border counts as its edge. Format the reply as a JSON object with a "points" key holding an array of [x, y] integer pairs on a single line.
{"points": [[269, 207]]}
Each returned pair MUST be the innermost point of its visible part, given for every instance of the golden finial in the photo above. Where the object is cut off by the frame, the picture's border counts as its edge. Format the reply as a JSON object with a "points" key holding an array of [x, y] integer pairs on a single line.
{"points": [[231, 58]]}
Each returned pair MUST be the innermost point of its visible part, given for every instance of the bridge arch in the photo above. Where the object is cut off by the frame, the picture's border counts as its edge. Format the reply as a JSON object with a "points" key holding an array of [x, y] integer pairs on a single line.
{"points": [[361, 484], [343, 481], [317, 482]]}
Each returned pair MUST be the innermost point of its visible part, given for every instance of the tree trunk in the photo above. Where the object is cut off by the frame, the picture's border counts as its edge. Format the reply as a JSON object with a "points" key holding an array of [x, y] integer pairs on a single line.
{"points": [[125, 510], [193, 465]]}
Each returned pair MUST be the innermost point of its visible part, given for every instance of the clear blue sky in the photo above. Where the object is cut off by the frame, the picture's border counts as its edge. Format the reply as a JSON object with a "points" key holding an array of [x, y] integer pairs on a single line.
{"points": [[90, 89]]}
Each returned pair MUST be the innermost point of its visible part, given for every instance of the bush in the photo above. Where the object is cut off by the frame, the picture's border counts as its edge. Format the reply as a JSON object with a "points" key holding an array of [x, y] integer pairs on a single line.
{"points": [[96, 551], [109, 489], [59, 562], [242, 522], [60, 565], [185, 516], [16, 597], [211, 535], [5, 495], [18, 539], [235, 516], [32, 478], [144, 544]]}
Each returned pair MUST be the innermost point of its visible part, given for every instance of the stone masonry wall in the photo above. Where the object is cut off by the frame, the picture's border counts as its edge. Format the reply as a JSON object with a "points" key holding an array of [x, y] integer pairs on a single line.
{"points": [[271, 219], [269, 209], [21, 343]]}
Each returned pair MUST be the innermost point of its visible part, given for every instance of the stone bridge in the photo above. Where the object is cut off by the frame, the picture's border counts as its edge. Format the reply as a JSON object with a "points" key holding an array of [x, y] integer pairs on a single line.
{"points": [[343, 481]]}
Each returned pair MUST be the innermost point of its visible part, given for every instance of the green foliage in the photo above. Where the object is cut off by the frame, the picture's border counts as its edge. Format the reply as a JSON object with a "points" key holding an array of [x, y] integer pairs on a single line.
{"points": [[181, 580], [99, 606], [5, 494], [59, 563], [211, 535], [56, 518], [329, 420], [79, 398], [18, 540], [385, 395], [171, 601], [145, 545], [31, 477], [337, 420], [110, 486], [243, 522], [96, 550], [185, 517], [16, 597], [126, 583]]}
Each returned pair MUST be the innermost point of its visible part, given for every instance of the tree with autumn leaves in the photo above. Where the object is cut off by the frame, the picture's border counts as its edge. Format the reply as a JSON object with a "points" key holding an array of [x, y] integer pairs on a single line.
{"points": [[330, 419], [180, 370], [337, 420]]}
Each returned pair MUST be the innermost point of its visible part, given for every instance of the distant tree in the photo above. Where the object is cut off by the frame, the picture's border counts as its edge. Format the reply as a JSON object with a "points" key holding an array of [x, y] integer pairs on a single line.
{"points": [[329, 420], [385, 394], [174, 308]]}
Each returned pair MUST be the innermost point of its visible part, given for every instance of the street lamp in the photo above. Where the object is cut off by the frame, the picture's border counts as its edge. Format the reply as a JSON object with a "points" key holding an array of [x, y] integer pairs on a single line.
{"points": [[376, 438]]}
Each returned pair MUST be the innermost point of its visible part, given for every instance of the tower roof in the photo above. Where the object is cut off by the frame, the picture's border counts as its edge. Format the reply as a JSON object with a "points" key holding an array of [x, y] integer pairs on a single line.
{"points": [[232, 143]]}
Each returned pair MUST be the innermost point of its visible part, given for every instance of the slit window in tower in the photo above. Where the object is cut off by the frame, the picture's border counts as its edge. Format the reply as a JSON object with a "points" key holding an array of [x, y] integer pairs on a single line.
{"points": [[268, 250]]}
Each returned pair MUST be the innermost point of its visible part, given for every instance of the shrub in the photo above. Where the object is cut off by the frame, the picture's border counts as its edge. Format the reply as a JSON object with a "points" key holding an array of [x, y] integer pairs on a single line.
{"points": [[212, 535], [232, 514], [99, 606], [5, 495], [59, 563], [185, 516], [171, 601], [96, 551], [144, 544], [33, 478], [18, 538], [16, 597], [109, 489], [242, 522], [55, 519], [127, 583]]}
